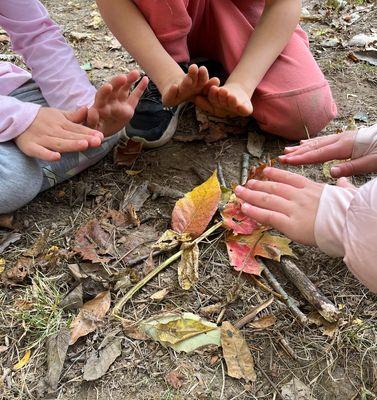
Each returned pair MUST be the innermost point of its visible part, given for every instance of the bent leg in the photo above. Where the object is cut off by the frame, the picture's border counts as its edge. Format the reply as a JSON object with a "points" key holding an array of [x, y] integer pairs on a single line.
{"points": [[20, 178]]}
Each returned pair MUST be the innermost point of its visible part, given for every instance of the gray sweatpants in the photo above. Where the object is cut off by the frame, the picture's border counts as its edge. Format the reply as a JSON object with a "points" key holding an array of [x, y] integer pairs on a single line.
{"points": [[22, 177]]}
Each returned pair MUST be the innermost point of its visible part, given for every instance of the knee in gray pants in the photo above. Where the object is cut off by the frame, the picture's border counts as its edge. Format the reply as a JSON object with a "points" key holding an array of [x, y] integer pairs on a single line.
{"points": [[20, 178]]}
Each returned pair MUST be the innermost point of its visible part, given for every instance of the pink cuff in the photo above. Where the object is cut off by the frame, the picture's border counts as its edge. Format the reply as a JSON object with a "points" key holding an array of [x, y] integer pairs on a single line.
{"points": [[330, 220]]}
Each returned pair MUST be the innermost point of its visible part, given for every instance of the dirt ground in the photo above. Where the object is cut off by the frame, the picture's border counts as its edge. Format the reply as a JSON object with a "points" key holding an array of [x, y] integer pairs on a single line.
{"points": [[341, 366]]}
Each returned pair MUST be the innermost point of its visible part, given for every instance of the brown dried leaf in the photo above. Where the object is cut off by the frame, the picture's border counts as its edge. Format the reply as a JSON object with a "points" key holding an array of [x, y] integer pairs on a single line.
{"points": [[132, 330], [8, 239], [170, 240], [90, 315], [188, 267], [212, 309], [160, 295], [126, 153], [92, 241], [18, 273], [264, 322], [237, 354], [6, 221], [175, 379], [39, 246]]}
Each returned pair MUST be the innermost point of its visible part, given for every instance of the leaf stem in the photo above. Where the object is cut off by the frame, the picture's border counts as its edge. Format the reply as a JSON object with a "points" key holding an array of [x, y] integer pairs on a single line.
{"points": [[118, 307]]}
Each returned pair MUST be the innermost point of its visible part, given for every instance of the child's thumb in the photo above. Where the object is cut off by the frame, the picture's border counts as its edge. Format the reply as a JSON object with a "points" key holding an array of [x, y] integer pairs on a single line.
{"points": [[79, 116]]}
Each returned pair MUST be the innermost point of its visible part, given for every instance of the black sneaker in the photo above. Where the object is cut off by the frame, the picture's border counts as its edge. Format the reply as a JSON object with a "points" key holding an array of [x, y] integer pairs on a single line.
{"points": [[153, 124]]}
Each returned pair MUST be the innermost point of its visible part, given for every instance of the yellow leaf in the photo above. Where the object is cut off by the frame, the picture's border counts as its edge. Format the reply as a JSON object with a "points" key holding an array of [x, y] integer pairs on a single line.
{"points": [[237, 355], [170, 240], [193, 213], [90, 315], [160, 295], [2, 265], [24, 360], [131, 172], [188, 267], [183, 332]]}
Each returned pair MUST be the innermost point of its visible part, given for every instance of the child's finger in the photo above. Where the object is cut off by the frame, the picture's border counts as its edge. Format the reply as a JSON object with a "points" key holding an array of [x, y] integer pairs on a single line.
{"points": [[92, 118], [37, 151], [264, 200], [117, 82], [203, 76], [135, 95], [79, 116], [266, 217], [322, 154], [312, 144], [103, 95], [286, 177], [80, 129], [359, 166], [276, 188], [65, 146]]}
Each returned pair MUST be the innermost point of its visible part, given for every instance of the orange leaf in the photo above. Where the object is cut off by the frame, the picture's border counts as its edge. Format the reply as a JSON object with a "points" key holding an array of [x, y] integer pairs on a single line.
{"points": [[193, 213], [90, 315]]}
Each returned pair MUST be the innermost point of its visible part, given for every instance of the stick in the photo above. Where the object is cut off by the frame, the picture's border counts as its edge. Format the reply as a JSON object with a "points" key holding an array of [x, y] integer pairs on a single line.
{"points": [[139, 260], [288, 300], [160, 268], [306, 287], [245, 167], [253, 313], [220, 175], [286, 346]]}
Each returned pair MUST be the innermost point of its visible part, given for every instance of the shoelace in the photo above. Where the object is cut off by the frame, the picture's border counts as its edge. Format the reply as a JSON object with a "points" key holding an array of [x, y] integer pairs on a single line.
{"points": [[152, 93]]}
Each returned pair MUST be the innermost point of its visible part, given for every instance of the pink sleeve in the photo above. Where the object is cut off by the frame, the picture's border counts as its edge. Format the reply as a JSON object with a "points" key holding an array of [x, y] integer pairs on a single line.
{"points": [[346, 226], [15, 117], [54, 67]]}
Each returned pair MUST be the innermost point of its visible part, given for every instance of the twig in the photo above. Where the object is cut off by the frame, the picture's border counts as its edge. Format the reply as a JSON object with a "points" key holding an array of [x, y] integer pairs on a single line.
{"points": [[245, 167], [253, 313], [220, 175], [164, 191], [286, 346], [160, 268], [266, 288], [139, 260], [288, 300], [306, 287]]}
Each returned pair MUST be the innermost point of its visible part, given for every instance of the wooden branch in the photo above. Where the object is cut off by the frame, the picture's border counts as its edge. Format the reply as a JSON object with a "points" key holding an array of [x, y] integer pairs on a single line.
{"points": [[245, 167], [253, 313], [308, 290], [220, 175], [290, 302]]}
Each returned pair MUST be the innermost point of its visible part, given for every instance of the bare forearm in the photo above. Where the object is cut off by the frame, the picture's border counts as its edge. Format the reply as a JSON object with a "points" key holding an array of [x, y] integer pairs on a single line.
{"points": [[132, 30], [272, 33]]}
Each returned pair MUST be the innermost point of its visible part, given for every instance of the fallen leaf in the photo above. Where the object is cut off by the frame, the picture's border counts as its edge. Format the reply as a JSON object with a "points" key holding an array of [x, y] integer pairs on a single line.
{"points": [[328, 328], [264, 322], [175, 379], [131, 329], [8, 239], [79, 36], [99, 64], [193, 213], [90, 315], [140, 195], [118, 218], [212, 309], [131, 172], [170, 240], [236, 352], [296, 390], [363, 40], [24, 360], [2, 265], [127, 152], [6, 221], [236, 220], [243, 249], [100, 362], [57, 346], [18, 273], [38, 246], [96, 21], [188, 267], [369, 56], [73, 300], [92, 242], [186, 332], [160, 295], [255, 143]]}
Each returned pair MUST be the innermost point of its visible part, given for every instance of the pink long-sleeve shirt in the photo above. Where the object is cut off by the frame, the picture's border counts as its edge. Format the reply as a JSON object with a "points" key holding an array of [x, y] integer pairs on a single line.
{"points": [[52, 63], [346, 223]]}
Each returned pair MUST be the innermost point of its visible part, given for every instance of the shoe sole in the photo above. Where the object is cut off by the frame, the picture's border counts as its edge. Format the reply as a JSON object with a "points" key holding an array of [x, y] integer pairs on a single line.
{"points": [[166, 137]]}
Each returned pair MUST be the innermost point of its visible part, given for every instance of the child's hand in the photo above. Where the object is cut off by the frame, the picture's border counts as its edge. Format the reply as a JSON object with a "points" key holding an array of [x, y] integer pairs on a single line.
{"points": [[54, 132], [287, 202], [188, 86], [114, 104], [327, 148], [230, 100]]}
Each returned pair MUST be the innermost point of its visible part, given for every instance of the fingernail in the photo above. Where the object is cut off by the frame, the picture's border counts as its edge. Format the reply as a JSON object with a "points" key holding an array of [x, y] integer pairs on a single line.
{"points": [[239, 189], [288, 148], [335, 172]]}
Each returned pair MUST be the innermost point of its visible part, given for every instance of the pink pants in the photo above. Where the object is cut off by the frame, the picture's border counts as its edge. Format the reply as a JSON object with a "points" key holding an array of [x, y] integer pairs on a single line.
{"points": [[292, 99]]}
